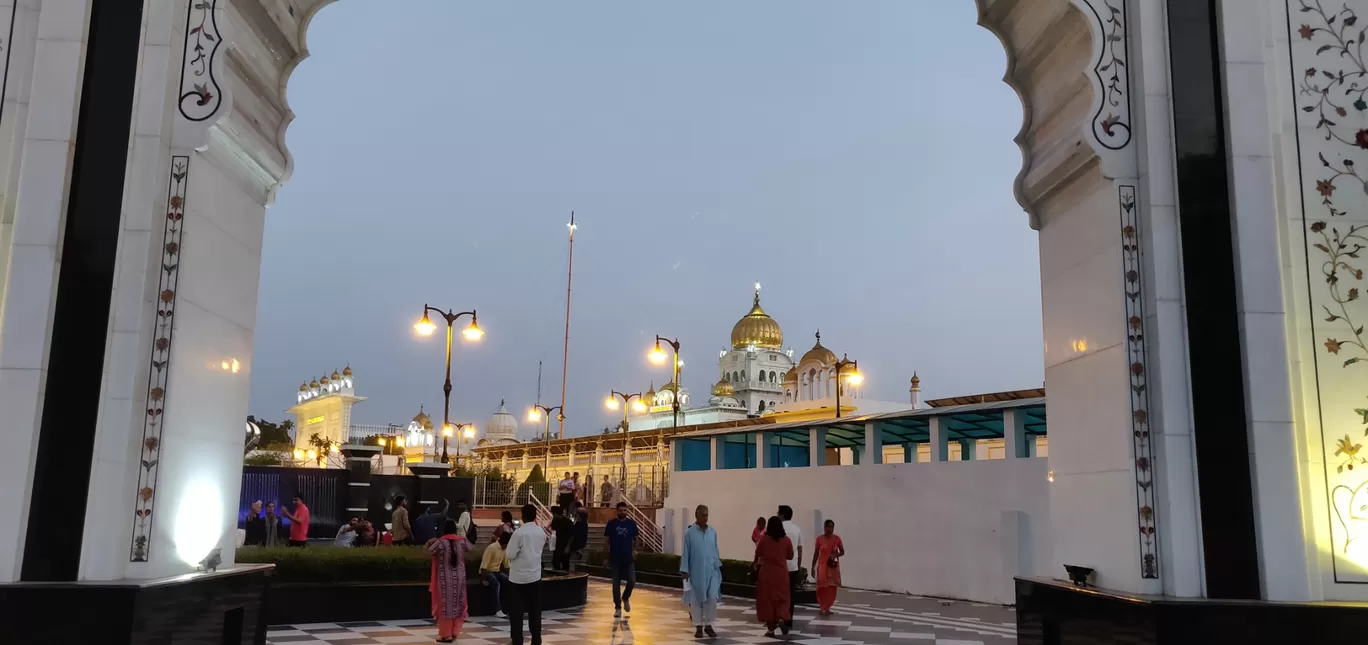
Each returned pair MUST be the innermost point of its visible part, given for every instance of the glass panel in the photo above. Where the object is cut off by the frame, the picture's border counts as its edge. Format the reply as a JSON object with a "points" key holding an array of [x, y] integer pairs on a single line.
{"points": [[694, 454]]}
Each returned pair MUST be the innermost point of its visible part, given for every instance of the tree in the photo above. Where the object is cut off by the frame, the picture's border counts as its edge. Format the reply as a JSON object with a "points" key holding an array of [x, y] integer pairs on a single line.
{"points": [[274, 435]]}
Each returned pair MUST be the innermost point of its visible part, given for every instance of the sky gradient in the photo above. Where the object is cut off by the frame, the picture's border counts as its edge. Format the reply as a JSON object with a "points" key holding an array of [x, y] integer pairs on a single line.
{"points": [[856, 158]]}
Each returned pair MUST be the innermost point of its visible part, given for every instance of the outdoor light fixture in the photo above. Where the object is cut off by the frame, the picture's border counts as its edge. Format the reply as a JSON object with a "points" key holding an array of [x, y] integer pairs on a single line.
{"points": [[658, 355], [446, 432], [1078, 575], [469, 432], [638, 406], [425, 326], [381, 441], [611, 403], [473, 332], [534, 415], [299, 453]]}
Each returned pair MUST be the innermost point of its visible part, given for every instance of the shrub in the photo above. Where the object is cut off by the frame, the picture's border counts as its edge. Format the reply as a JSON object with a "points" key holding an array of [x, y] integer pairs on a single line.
{"points": [[329, 565], [263, 459]]}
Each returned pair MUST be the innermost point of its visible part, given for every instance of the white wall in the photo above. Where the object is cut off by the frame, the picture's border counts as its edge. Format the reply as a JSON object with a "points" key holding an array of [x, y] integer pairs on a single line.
{"points": [[952, 529]]}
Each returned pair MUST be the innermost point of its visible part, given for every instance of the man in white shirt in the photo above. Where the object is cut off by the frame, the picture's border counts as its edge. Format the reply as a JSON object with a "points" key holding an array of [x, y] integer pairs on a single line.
{"points": [[463, 519], [524, 576], [566, 494], [346, 535], [796, 537]]}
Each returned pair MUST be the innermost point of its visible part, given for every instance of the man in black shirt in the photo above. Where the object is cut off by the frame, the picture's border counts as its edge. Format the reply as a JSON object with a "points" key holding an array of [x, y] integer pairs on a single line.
{"points": [[564, 530]]}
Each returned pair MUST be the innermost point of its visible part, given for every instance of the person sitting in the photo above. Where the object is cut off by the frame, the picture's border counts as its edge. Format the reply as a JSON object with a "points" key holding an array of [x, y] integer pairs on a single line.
{"points": [[366, 535], [492, 568]]}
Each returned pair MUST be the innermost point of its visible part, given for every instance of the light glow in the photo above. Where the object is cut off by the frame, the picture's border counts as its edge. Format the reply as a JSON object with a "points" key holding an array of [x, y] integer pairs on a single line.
{"points": [[298, 453], [469, 432], [534, 415], [473, 332], [425, 326], [638, 406], [198, 521], [611, 402], [658, 355], [446, 431], [381, 442], [855, 378], [312, 454]]}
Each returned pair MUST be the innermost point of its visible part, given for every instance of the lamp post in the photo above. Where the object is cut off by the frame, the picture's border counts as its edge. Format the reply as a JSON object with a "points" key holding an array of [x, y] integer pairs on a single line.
{"points": [[658, 357], [854, 378], [446, 436], [473, 332], [612, 404], [467, 431], [540, 412]]}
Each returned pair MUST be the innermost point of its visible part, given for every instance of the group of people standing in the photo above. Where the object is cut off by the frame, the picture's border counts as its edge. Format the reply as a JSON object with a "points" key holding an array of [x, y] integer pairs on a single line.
{"points": [[263, 528], [776, 568]]}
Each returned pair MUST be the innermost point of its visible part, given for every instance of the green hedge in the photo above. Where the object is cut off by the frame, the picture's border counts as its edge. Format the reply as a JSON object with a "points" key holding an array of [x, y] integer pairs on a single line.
{"points": [[335, 564], [733, 571]]}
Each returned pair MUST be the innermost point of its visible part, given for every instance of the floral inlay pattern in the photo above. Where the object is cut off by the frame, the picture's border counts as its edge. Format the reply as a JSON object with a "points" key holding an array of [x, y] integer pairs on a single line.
{"points": [[1111, 124], [1330, 80], [200, 96], [157, 376], [1139, 384]]}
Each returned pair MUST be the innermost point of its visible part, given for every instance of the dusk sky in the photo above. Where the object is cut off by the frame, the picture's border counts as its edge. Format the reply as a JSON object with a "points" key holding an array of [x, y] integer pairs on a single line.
{"points": [[856, 158]]}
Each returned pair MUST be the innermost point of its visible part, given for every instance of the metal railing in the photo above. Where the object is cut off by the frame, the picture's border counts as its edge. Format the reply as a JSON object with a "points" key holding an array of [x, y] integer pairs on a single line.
{"points": [[543, 513], [649, 532]]}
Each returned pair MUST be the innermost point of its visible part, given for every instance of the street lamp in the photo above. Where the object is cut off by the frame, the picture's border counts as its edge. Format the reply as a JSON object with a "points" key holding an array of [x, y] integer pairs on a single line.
{"points": [[853, 377], [629, 402], [658, 357], [446, 435], [540, 412], [472, 333]]}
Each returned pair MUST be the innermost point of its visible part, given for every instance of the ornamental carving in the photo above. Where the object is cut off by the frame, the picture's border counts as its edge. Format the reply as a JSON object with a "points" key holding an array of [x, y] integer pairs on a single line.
{"points": [[1330, 79], [1137, 368], [200, 94], [1111, 124], [145, 496]]}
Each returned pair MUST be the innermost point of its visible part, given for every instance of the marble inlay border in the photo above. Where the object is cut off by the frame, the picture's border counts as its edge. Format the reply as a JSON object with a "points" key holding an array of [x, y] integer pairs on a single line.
{"points": [[1328, 82], [157, 377], [1111, 124], [1139, 382], [200, 94]]}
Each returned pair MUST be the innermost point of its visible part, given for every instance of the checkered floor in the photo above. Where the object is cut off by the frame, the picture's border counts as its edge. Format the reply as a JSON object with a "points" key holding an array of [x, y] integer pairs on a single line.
{"points": [[658, 618]]}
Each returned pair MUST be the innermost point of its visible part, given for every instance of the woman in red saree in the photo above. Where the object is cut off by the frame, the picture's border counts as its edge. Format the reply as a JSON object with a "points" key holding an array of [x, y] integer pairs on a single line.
{"points": [[772, 554], [448, 586], [826, 562]]}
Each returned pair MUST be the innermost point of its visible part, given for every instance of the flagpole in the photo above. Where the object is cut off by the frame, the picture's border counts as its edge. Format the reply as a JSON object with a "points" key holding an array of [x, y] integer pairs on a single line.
{"points": [[565, 356]]}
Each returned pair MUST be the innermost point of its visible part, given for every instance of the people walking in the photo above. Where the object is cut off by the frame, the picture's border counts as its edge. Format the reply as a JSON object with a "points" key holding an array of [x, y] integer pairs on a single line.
{"points": [[701, 568], [564, 531], [448, 583], [759, 530], [524, 577], [622, 535], [606, 492], [299, 523], [401, 530], [773, 593], [255, 528], [827, 551], [492, 567], [795, 562]]}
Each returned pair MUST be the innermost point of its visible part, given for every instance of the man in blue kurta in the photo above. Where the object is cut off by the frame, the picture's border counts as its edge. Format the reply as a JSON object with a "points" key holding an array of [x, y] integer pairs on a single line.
{"points": [[701, 567]]}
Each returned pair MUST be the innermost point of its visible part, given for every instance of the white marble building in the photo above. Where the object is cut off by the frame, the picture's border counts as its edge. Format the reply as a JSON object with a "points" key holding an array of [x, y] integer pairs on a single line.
{"points": [[1192, 168]]}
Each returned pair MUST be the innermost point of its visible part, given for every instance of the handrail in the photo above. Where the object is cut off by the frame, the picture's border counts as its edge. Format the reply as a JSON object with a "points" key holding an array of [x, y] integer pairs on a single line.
{"points": [[651, 536], [543, 513]]}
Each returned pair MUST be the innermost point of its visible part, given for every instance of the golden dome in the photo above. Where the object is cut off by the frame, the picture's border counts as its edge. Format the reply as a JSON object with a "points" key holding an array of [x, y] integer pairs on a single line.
{"points": [[650, 394], [916, 381], [757, 328], [303, 387], [422, 418], [669, 387], [819, 353], [335, 375], [723, 388], [313, 384], [791, 376], [848, 368], [346, 371], [323, 380]]}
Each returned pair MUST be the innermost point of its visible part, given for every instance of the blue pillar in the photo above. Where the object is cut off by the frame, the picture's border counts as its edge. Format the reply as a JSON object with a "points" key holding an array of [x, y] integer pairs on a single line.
{"points": [[816, 447], [940, 441], [968, 450], [873, 444]]}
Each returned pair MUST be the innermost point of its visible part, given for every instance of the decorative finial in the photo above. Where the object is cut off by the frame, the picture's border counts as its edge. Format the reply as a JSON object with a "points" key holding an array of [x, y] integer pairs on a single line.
{"points": [[757, 294], [819, 336], [501, 403]]}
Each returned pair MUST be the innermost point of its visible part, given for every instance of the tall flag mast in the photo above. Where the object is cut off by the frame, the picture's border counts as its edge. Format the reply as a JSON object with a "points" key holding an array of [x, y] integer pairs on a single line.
{"points": [[565, 356]]}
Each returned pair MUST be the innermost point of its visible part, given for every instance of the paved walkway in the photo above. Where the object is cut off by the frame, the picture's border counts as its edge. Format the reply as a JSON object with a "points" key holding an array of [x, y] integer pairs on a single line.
{"points": [[658, 618]]}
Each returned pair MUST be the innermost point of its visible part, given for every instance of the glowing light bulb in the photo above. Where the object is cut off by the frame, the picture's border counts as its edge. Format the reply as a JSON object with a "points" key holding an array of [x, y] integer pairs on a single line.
{"points": [[469, 432], [312, 454], [611, 402], [638, 406], [473, 332], [658, 355], [425, 326], [299, 453], [446, 431], [855, 378], [534, 415]]}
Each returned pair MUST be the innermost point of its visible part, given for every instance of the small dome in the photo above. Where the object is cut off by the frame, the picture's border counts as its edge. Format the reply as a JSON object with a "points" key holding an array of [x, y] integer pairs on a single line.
{"points": [[313, 384], [669, 387], [650, 394], [303, 387], [335, 375], [422, 418], [820, 354], [502, 425], [791, 376], [848, 368], [323, 380], [757, 328], [346, 371], [723, 388], [916, 381]]}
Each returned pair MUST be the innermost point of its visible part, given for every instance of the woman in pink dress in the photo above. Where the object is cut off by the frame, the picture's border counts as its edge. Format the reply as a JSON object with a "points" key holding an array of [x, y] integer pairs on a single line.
{"points": [[826, 562], [772, 554], [759, 530], [448, 586]]}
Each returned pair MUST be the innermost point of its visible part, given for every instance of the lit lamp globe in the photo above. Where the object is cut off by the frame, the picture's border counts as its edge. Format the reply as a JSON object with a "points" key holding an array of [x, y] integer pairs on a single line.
{"points": [[425, 326], [469, 432], [473, 332], [446, 431], [658, 355], [638, 406], [611, 402], [534, 415]]}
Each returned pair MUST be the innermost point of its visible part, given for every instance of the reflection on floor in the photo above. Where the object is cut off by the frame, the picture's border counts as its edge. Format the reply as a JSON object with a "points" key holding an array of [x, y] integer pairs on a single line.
{"points": [[658, 618]]}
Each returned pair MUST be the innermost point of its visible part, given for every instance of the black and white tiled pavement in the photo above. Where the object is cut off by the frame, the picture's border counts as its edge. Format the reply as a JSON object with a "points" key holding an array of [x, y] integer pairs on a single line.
{"points": [[658, 618]]}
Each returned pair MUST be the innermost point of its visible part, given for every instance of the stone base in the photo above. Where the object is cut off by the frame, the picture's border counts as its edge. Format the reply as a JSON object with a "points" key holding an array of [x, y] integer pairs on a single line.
{"points": [[221, 607], [1054, 612]]}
